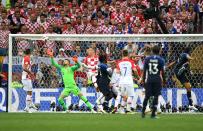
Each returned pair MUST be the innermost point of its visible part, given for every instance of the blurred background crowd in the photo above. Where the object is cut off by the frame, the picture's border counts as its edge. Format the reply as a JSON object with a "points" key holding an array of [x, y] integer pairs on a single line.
{"points": [[98, 17]]}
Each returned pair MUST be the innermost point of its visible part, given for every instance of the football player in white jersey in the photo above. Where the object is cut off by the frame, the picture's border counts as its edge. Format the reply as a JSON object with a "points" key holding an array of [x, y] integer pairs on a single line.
{"points": [[126, 69], [115, 87], [27, 77]]}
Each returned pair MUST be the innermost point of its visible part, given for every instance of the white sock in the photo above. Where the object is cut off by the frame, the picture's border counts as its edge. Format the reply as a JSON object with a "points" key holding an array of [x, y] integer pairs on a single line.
{"points": [[129, 103], [28, 101], [123, 104], [99, 98], [117, 101]]}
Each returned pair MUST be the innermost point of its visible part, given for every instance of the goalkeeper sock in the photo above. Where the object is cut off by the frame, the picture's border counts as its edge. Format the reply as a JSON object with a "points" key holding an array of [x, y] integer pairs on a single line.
{"points": [[189, 98], [62, 103], [88, 104], [28, 101]]}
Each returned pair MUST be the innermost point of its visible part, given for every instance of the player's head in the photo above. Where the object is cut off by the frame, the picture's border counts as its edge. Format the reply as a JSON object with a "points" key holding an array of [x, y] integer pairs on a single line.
{"points": [[66, 62], [125, 53], [156, 50], [102, 58], [27, 52], [91, 51], [187, 50]]}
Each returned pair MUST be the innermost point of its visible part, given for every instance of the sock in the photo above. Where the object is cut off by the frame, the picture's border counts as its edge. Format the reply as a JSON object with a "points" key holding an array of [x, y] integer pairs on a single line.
{"points": [[100, 96], [123, 104], [159, 104], [62, 103], [154, 108], [105, 105], [145, 104], [88, 104], [117, 101], [129, 103], [28, 101], [189, 96]]}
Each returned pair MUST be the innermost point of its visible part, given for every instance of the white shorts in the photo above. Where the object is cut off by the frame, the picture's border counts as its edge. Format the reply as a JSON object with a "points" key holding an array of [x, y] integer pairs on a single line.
{"points": [[127, 90], [92, 76], [27, 83], [116, 90]]}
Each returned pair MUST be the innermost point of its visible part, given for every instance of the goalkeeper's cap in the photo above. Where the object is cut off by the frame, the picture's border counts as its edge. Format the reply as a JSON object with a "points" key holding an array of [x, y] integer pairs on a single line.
{"points": [[61, 49]]}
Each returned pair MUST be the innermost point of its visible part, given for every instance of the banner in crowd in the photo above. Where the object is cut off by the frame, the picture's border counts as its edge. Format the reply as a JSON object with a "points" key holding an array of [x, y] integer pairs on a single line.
{"points": [[44, 97]]}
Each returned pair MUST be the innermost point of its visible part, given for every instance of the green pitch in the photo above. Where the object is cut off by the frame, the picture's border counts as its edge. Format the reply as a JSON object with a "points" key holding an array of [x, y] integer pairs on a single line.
{"points": [[98, 122]]}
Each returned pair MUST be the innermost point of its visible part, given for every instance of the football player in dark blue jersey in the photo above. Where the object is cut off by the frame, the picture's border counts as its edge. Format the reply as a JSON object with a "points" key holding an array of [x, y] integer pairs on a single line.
{"points": [[182, 72], [103, 81], [153, 79]]}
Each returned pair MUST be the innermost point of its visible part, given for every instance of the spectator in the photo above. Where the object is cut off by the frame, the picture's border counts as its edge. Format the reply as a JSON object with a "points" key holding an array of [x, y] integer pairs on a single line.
{"points": [[32, 24], [16, 21], [107, 28], [55, 78], [61, 54], [165, 7], [23, 44], [191, 19], [4, 39], [43, 22], [85, 27], [78, 52], [4, 17], [96, 29], [131, 48], [171, 29]]}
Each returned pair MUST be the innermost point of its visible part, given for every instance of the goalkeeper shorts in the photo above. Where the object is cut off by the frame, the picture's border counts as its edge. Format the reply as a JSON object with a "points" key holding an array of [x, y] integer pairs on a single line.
{"points": [[74, 90]]}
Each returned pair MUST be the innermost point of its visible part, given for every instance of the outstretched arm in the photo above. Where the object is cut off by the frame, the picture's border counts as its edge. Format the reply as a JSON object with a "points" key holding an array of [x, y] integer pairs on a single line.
{"points": [[50, 53], [77, 64]]}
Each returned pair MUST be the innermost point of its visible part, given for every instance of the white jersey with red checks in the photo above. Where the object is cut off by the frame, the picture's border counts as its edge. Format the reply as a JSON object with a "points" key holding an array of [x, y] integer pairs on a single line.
{"points": [[32, 26], [26, 63], [92, 62], [107, 29], [67, 45], [125, 66]]}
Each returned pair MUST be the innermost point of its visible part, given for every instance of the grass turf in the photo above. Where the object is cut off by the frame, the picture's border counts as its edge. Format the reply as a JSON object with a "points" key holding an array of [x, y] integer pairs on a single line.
{"points": [[98, 122]]}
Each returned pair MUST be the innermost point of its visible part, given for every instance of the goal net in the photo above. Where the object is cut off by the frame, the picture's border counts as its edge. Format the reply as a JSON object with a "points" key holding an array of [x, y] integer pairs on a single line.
{"points": [[48, 82]]}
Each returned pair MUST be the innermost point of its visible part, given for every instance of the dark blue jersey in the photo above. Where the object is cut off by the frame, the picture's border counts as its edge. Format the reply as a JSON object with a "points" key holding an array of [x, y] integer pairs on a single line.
{"points": [[153, 67], [181, 61]]}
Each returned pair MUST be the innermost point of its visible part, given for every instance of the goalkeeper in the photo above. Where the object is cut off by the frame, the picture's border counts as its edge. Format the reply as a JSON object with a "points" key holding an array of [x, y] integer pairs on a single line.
{"points": [[69, 82]]}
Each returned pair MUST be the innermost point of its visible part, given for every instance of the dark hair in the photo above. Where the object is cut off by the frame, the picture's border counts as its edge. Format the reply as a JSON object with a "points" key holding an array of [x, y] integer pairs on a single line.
{"points": [[102, 58], [67, 60], [43, 15], [125, 53], [187, 50], [156, 49], [27, 51], [52, 10]]}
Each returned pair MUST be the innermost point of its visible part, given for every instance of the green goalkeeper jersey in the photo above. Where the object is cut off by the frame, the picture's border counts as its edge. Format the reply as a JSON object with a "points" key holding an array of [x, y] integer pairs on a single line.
{"points": [[67, 73]]}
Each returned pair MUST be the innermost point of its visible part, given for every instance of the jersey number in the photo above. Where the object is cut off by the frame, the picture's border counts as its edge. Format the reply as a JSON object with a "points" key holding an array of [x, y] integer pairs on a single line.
{"points": [[125, 70], [153, 68]]}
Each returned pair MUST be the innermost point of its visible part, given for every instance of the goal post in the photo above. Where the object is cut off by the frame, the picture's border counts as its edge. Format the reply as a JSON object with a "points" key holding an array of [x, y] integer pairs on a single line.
{"points": [[46, 89]]}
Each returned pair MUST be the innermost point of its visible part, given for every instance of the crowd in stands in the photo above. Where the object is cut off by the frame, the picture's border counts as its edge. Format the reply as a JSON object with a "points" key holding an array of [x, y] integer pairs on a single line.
{"points": [[93, 17]]}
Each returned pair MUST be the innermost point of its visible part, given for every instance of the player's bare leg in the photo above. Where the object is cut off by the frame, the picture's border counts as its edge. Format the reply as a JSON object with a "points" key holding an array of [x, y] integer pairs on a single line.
{"points": [[189, 96], [129, 104], [29, 103], [123, 104]]}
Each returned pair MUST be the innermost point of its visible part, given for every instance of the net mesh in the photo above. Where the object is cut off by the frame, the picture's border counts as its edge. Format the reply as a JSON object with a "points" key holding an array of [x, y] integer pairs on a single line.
{"points": [[48, 82]]}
